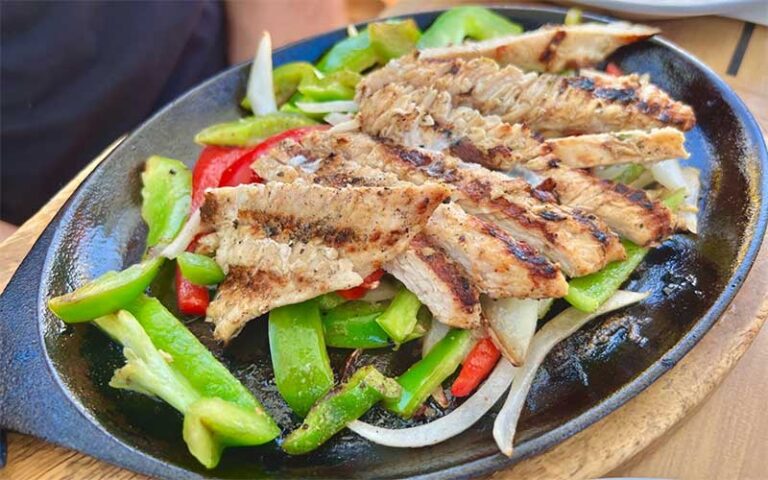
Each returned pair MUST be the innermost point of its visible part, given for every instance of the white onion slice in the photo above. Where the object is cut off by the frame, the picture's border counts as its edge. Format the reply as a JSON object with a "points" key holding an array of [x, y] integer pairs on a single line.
{"points": [[260, 91], [328, 107], [552, 333], [456, 422], [544, 305], [689, 213], [184, 237], [335, 118], [386, 290], [669, 174], [437, 330], [350, 126], [352, 30], [512, 323]]}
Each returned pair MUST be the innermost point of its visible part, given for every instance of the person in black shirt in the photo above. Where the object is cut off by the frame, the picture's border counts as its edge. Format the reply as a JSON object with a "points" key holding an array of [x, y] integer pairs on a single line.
{"points": [[78, 75]]}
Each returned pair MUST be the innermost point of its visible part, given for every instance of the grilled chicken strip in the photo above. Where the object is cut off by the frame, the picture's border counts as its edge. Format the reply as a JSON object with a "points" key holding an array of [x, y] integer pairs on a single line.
{"points": [[439, 283], [600, 149], [497, 264], [280, 238], [426, 118], [628, 211], [580, 243], [552, 48], [550, 104]]}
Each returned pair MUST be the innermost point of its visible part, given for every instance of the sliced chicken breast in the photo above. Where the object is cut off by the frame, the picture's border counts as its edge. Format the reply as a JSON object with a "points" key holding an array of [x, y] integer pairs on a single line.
{"points": [[631, 146], [280, 238], [552, 48], [263, 274], [553, 105], [438, 282], [628, 211], [426, 118], [497, 264], [579, 242]]}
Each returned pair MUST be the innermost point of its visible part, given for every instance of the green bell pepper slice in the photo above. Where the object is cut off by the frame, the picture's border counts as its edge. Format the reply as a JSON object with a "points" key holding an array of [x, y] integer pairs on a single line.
{"points": [[353, 325], [251, 131], [427, 374], [191, 358], [365, 388], [302, 369], [287, 78], [572, 16], [165, 360], [353, 53], [105, 294], [477, 23], [212, 424], [394, 39], [199, 269], [329, 301], [587, 293], [166, 195], [339, 85], [401, 316]]}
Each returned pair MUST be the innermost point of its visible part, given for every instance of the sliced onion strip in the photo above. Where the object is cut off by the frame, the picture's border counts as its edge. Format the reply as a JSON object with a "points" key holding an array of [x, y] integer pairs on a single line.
{"points": [[328, 107], [552, 333], [689, 213], [184, 237], [512, 323], [456, 422], [260, 91], [336, 118]]}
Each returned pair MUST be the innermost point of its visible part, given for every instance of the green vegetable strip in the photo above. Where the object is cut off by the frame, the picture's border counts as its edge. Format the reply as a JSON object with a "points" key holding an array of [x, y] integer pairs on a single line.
{"points": [[251, 131], [146, 370], [353, 53], [211, 424], [353, 325], [165, 360], [363, 390], [394, 39], [199, 269], [192, 358], [287, 78], [477, 23], [338, 85], [428, 373], [587, 293], [400, 317], [166, 194], [329, 301], [105, 294], [302, 370]]}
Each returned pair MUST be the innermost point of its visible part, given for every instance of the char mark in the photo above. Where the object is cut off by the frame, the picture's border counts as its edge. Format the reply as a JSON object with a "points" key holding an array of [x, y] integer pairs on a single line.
{"points": [[448, 271], [300, 230], [539, 265]]}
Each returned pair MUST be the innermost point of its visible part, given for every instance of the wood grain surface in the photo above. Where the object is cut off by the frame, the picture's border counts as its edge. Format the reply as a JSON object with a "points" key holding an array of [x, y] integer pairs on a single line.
{"points": [[724, 437]]}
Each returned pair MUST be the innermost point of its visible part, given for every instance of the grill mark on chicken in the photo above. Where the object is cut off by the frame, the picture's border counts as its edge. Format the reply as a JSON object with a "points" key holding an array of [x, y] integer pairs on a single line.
{"points": [[551, 48], [439, 283], [447, 271], [498, 265], [550, 104], [426, 118], [627, 210]]}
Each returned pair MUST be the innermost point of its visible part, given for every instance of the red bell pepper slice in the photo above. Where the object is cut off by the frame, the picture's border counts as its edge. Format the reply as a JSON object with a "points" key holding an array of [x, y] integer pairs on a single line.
{"points": [[210, 166], [613, 69], [191, 299], [370, 282], [476, 368]]}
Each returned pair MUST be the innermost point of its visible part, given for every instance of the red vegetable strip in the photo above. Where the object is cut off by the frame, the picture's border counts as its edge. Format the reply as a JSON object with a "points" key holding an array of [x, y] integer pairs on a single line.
{"points": [[613, 69], [476, 368], [370, 282], [210, 166], [192, 299]]}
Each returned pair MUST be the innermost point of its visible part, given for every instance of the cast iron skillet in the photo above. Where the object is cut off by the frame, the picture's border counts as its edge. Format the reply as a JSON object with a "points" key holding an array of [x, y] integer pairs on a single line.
{"points": [[53, 380]]}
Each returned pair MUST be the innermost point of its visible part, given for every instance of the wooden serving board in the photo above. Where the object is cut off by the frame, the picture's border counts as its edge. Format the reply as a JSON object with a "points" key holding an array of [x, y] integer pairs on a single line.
{"points": [[698, 450]]}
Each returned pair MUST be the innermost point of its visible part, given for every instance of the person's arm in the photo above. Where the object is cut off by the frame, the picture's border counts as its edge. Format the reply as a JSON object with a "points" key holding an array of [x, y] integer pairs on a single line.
{"points": [[286, 20]]}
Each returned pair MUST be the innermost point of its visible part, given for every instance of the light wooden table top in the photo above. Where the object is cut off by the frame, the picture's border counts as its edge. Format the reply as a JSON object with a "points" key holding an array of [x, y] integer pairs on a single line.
{"points": [[725, 437]]}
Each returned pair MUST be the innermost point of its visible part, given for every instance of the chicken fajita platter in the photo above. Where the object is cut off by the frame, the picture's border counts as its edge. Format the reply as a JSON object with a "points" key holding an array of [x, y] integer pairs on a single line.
{"points": [[432, 241]]}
